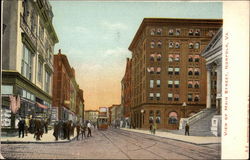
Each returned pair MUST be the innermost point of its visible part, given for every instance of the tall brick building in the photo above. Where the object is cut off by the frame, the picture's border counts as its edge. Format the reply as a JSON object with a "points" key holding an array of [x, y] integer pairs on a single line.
{"points": [[168, 73], [126, 91], [68, 102]]}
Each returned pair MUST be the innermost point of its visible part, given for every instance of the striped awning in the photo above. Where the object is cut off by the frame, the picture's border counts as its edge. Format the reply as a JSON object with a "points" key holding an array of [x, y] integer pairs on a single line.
{"points": [[42, 106]]}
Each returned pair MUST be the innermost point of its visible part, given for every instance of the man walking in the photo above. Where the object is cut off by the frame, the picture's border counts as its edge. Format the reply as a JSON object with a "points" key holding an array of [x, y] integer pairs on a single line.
{"points": [[21, 126], [83, 129], [187, 129], [78, 128], [89, 130], [56, 130]]}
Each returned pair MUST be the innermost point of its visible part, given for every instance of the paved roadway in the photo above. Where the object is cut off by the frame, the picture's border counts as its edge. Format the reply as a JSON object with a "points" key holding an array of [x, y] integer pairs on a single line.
{"points": [[113, 144]]}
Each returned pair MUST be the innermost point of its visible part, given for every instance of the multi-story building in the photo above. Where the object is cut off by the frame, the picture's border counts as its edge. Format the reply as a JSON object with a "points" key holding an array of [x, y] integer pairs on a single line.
{"points": [[91, 115], [67, 97], [168, 73], [27, 61], [80, 103], [213, 56], [116, 114], [126, 92]]}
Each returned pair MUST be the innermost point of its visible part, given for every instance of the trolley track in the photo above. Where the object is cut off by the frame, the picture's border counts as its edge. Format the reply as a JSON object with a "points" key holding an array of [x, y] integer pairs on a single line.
{"points": [[175, 147]]}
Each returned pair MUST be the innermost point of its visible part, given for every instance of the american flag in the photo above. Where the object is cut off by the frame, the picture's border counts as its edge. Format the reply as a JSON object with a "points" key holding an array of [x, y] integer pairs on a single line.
{"points": [[14, 103]]}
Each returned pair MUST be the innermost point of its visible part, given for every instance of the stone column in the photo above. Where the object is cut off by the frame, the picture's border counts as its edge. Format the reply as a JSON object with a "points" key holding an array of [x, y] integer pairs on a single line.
{"points": [[218, 86], [208, 86]]}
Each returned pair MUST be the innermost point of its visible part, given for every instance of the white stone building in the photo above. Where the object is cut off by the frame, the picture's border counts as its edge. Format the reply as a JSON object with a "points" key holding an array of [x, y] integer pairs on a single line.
{"points": [[213, 55], [27, 56]]}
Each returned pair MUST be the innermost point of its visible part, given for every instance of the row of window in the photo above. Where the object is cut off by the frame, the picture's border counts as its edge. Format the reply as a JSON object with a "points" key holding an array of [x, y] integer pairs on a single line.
{"points": [[177, 45], [28, 95], [174, 83], [174, 57], [27, 67], [174, 70]]}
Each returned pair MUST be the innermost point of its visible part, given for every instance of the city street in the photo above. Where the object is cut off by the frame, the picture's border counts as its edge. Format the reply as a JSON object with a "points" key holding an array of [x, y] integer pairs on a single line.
{"points": [[113, 144]]}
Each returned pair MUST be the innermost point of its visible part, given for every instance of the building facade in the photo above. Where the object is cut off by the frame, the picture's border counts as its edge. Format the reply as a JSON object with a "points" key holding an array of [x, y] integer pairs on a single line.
{"points": [[91, 115], [68, 98], [27, 61], [126, 92], [168, 73], [213, 56]]}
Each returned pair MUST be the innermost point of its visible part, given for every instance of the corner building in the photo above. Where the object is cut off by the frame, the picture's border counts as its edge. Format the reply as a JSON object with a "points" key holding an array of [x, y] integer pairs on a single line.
{"points": [[168, 73]]}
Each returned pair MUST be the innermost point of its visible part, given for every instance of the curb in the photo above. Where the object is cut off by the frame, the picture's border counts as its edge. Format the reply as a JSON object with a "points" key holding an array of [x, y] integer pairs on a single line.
{"points": [[174, 139], [36, 142]]}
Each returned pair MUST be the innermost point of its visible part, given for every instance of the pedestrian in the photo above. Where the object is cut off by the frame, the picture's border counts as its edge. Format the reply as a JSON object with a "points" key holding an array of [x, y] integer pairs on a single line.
{"points": [[65, 130], [187, 129], [56, 130], [68, 129], [154, 128], [27, 125], [21, 127], [89, 129], [151, 128], [78, 129], [46, 125], [83, 130], [38, 131]]}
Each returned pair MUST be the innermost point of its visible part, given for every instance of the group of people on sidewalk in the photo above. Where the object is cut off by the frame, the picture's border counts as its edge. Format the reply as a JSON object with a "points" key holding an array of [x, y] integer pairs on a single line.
{"points": [[36, 126], [65, 129]]}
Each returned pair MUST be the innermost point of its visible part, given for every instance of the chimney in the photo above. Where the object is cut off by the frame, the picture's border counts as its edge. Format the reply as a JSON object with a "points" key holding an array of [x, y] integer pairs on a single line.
{"points": [[59, 51], [127, 59]]}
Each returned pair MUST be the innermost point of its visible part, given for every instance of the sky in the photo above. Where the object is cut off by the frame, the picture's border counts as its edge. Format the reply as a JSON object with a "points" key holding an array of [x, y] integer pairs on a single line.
{"points": [[95, 36]]}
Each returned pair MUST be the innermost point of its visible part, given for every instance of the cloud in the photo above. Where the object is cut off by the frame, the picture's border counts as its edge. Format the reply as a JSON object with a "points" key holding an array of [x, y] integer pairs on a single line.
{"points": [[114, 26]]}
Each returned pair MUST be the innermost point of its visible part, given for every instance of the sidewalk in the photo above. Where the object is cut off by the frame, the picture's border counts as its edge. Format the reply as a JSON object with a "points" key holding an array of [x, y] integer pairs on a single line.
{"points": [[47, 138], [189, 139]]}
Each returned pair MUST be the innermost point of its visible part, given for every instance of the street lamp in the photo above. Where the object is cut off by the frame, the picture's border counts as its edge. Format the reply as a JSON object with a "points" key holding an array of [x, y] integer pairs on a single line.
{"points": [[184, 105], [142, 117]]}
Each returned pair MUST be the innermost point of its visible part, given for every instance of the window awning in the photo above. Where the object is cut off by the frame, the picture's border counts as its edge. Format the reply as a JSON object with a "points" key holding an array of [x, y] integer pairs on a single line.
{"points": [[190, 69], [42, 106]]}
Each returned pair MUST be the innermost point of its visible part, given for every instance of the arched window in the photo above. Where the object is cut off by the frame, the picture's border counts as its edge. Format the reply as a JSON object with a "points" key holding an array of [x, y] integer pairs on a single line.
{"points": [[152, 44], [197, 32], [190, 58], [170, 58], [158, 70], [191, 32], [177, 45], [152, 69], [152, 31], [151, 116], [196, 71], [177, 57], [159, 31], [191, 45], [196, 58], [158, 116], [196, 98], [176, 97], [159, 44], [171, 32], [190, 97], [197, 45], [158, 57], [152, 57], [197, 85], [172, 118], [178, 32], [171, 45], [190, 84], [190, 71]]}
